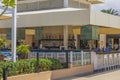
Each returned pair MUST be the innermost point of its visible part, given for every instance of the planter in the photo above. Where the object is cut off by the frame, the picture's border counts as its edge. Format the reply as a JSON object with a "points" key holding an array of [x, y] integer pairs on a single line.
{"points": [[72, 71], [22, 56], [56, 74], [34, 76]]}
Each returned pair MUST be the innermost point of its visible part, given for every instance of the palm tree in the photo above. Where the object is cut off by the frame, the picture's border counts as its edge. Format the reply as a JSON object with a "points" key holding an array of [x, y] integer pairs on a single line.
{"points": [[110, 11], [6, 4]]}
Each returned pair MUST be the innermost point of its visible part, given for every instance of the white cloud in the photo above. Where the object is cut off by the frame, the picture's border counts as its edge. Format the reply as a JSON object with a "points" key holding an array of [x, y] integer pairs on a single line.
{"points": [[115, 4]]}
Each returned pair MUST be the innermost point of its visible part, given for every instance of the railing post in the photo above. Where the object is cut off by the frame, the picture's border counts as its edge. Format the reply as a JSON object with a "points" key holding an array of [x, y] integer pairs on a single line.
{"points": [[82, 58], [37, 62], [5, 73], [67, 62], [71, 60]]}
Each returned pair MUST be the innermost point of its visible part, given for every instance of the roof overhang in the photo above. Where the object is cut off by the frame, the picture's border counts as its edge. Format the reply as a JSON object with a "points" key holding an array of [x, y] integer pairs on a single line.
{"points": [[61, 17], [96, 1], [91, 1], [4, 17], [51, 11], [29, 1]]}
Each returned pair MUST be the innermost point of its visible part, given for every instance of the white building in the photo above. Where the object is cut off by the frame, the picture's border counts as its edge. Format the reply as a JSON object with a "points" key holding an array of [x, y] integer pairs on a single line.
{"points": [[61, 22]]}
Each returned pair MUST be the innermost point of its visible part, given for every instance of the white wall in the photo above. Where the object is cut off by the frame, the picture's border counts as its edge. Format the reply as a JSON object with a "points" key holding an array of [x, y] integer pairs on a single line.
{"points": [[103, 19]]}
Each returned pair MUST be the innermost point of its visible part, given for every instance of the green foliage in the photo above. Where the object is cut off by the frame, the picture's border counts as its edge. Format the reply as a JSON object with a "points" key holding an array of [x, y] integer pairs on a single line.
{"points": [[2, 43], [10, 3], [110, 11], [6, 4], [56, 64], [23, 51], [27, 66], [45, 64]]}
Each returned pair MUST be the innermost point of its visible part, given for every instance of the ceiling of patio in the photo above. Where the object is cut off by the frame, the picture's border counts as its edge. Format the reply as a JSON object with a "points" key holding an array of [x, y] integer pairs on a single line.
{"points": [[4, 17], [101, 30]]}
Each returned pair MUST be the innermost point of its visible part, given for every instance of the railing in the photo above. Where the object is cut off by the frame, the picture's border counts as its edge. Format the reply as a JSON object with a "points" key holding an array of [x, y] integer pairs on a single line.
{"points": [[77, 58], [106, 61], [35, 5]]}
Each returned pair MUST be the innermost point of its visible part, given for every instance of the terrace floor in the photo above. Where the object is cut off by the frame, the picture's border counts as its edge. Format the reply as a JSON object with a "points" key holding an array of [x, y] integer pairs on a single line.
{"points": [[109, 75]]}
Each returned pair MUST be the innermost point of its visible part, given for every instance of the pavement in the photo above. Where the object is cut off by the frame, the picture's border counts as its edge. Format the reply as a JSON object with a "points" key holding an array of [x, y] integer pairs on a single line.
{"points": [[109, 75]]}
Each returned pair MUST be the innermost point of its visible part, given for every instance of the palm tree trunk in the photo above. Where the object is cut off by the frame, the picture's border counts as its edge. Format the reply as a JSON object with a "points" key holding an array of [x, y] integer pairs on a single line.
{"points": [[5, 9]]}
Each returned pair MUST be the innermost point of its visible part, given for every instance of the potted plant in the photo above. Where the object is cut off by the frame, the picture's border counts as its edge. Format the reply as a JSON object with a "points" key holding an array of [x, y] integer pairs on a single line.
{"points": [[23, 51], [2, 43]]}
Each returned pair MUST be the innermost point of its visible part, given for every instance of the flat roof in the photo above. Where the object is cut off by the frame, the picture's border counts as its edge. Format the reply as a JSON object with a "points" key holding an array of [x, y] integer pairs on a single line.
{"points": [[50, 11]]}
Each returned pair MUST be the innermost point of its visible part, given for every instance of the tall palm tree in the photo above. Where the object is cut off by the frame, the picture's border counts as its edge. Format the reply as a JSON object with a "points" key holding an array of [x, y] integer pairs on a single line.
{"points": [[110, 11], [6, 4]]}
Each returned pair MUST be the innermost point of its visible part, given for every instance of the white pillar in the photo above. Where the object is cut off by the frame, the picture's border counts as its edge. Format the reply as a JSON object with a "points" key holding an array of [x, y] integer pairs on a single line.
{"points": [[66, 37], [76, 41], [65, 3], [14, 25], [102, 42]]}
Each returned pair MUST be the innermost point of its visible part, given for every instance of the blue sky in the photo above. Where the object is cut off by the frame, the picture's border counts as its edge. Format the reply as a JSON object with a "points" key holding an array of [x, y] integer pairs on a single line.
{"points": [[115, 4]]}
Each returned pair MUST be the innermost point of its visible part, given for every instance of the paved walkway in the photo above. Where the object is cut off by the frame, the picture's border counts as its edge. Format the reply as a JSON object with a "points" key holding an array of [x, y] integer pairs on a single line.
{"points": [[113, 75]]}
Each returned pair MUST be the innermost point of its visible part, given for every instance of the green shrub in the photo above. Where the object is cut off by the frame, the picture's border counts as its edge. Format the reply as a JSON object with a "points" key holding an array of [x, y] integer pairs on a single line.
{"points": [[55, 64], [29, 65], [45, 64]]}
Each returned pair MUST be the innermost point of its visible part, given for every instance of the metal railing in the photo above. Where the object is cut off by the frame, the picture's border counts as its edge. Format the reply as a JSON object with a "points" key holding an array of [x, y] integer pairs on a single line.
{"points": [[77, 58], [106, 61]]}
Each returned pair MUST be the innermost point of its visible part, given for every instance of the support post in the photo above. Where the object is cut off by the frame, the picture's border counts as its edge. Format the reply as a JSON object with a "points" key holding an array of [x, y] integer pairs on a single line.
{"points": [[102, 41], [14, 26], [5, 73], [67, 61], [65, 3], [37, 62], [71, 60], [76, 41], [82, 58], [66, 37]]}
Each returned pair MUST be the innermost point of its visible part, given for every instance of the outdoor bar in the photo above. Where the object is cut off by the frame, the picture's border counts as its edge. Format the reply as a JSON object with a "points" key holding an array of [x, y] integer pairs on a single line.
{"points": [[70, 32]]}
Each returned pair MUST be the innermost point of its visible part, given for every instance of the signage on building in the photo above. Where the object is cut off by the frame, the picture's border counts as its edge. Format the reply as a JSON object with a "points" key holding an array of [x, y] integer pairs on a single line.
{"points": [[89, 33], [20, 34], [8, 33], [38, 33]]}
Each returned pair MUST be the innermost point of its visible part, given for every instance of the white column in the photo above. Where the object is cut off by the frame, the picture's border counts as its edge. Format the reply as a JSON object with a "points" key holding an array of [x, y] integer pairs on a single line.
{"points": [[76, 41], [14, 25], [102, 42], [65, 3], [66, 37]]}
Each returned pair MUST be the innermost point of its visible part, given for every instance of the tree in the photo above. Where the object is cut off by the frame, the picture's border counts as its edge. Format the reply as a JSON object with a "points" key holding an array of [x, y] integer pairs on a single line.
{"points": [[6, 5], [110, 11]]}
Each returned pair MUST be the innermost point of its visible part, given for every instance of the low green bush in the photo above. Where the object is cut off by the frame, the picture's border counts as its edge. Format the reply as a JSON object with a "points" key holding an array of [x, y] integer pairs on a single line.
{"points": [[45, 64], [56, 64], [29, 65]]}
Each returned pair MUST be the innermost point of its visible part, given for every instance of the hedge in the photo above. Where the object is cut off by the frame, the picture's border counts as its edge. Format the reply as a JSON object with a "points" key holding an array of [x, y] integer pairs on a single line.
{"points": [[29, 65]]}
